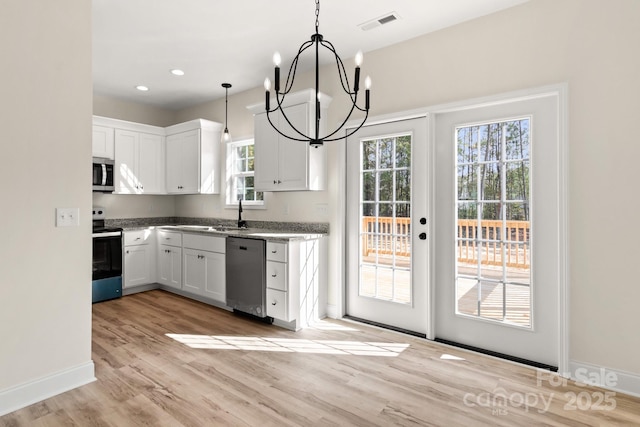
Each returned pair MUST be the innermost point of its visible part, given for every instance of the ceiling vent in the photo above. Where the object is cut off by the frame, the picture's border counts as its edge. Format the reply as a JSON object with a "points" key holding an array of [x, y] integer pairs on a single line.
{"points": [[385, 19]]}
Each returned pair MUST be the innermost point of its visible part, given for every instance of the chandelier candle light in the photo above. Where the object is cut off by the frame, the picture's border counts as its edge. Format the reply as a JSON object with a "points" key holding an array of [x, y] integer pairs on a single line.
{"points": [[317, 40], [226, 137]]}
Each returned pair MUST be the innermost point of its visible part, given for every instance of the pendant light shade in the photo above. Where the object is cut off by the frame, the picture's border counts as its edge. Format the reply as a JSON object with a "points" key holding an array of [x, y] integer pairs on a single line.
{"points": [[226, 136]]}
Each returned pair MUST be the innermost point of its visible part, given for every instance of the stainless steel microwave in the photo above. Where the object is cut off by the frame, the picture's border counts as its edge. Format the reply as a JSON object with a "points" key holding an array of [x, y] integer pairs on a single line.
{"points": [[103, 175]]}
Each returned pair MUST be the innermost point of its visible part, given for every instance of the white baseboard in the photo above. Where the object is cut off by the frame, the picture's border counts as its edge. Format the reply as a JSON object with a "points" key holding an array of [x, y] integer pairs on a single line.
{"points": [[611, 379], [332, 311], [18, 397]]}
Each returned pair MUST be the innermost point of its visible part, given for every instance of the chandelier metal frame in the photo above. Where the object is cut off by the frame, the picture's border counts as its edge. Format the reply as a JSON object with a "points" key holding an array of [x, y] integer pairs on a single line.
{"points": [[316, 41]]}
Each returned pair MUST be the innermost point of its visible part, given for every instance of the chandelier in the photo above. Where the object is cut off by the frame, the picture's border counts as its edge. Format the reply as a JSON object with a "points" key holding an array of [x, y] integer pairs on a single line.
{"points": [[316, 41]]}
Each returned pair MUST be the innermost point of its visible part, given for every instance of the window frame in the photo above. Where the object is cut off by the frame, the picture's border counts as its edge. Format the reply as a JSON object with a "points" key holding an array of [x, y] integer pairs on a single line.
{"points": [[232, 176]]}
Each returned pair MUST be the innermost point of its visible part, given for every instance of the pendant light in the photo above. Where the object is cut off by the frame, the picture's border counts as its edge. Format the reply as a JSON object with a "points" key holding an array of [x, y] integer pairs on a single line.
{"points": [[316, 41], [226, 137]]}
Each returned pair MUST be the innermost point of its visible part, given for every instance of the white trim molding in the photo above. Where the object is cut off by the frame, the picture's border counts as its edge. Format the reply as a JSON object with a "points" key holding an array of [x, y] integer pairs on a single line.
{"points": [[43, 388], [333, 312], [608, 378]]}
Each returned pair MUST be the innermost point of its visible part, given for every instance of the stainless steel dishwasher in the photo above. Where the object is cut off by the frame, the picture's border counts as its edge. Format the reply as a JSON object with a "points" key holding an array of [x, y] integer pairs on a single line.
{"points": [[246, 284]]}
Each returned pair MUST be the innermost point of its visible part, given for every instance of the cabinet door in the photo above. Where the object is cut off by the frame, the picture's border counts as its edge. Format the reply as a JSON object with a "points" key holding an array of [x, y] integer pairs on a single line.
{"points": [[191, 162], [137, 265], [174, 164], [170, 266], [215, 283], [151, 164], [183, 162], [293, 156], [277, 275], [126, 169], [277, 305], [102, 142], [195, 271], [266, 153]]}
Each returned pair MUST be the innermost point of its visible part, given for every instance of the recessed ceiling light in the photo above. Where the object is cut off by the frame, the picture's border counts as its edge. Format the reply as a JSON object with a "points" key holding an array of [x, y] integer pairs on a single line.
{"points": [[177, 72], [142, 88]]}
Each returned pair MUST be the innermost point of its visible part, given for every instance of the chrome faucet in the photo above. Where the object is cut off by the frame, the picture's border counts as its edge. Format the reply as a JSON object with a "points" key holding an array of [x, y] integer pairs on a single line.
{"points": [[241, 222]]}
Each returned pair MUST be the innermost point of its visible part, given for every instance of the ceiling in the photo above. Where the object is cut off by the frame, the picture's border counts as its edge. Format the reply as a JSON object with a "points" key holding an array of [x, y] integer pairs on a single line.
{"points": [[138, 42]]}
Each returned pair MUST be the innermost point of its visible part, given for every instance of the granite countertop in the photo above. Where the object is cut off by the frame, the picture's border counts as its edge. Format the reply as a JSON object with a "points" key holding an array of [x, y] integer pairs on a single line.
{"points": [[267, 230], [248, 233]]}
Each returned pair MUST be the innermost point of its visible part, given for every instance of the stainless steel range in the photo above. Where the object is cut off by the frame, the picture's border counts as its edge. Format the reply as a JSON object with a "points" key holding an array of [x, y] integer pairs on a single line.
{"points": [[107, 259]]}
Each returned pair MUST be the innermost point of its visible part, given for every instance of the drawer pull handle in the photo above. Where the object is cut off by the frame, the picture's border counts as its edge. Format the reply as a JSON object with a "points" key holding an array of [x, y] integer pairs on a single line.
{"points": [[273, 275], [274, 252], [137, 238], [274, 303]]}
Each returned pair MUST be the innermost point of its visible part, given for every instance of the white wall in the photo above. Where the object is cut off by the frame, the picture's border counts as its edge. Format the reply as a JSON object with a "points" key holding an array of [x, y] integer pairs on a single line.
{"points": [[45, 272], [591, 45], [135, 206], [107, 106]]}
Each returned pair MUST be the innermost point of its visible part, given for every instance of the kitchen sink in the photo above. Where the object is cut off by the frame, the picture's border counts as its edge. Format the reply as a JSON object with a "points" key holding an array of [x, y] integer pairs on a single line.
{"points": [[226, 228], [212, 228], [195, 227]]}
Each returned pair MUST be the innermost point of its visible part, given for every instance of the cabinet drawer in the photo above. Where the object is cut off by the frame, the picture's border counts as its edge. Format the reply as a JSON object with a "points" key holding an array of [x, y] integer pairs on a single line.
{"points": [[170, 238], [204, 243], [138, 237], [277, 275], [276, 251], [277, 305]]}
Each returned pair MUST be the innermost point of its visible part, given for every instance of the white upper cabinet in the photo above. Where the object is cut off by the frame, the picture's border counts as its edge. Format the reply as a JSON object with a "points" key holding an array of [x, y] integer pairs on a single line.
{"points": [[139, 164], [193, 158], [282, 164], [102, 142], [179, 159]]}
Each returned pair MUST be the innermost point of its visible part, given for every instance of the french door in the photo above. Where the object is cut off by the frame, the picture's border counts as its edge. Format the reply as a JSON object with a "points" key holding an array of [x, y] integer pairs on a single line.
{"points": [[498, 229], [387, 268]]}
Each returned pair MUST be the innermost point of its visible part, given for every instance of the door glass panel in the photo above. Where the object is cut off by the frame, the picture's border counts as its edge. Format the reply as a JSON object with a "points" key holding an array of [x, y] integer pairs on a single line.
{"points": [[385, 226], [493, 267]]}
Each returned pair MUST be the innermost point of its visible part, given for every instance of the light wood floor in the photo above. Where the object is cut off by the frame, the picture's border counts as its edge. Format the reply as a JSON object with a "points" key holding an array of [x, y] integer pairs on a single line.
{"points": [[216, 368]]}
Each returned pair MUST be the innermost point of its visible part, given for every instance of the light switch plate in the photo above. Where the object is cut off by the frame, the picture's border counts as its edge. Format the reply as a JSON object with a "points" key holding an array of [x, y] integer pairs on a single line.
{"points": [[322, 209], [67, 217]]}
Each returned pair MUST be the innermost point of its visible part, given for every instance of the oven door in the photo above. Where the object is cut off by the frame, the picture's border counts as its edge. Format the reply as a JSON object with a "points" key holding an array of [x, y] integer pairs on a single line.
{"points": [[107, 266], [107, 255]]}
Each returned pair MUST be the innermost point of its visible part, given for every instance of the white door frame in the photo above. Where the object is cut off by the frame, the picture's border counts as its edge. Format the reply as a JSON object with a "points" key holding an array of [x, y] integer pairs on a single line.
{"points": [[558, 90]]}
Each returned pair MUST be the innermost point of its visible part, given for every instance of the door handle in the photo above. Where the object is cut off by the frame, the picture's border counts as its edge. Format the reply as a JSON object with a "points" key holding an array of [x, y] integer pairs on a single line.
{"points": [[422, 236]]}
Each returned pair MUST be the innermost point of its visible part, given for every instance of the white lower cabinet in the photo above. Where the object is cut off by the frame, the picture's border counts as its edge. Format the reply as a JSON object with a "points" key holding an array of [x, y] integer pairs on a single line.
{"points": [[195, 264], [139, 258], [277, 296], [170, 259], [294, 289], [203, 261]]}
